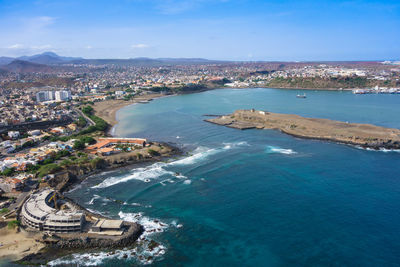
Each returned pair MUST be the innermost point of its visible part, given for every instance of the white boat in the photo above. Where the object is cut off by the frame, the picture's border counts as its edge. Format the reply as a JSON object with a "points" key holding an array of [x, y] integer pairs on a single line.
{"points": [[301, 96]]}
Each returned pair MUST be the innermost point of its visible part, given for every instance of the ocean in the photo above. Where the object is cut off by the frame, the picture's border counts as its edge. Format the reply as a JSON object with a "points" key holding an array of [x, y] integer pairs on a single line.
{"points": [[253, 197]]}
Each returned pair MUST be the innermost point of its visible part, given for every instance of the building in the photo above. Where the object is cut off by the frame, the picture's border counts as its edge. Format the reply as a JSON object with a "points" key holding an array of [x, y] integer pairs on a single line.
{"points": [[108, 227], [39, 213], [107, 142], [44, 96], [11, 185], [63, 95], [13, 134]]}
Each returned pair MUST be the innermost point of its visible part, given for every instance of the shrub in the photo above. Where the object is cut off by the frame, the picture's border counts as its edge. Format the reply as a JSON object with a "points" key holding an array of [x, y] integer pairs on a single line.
{"points": [[4, 210], [88, 140], [81, 122], [13, 224], [8, 172], [79, 145], [97, 163], [87, 110], [48, 169]]}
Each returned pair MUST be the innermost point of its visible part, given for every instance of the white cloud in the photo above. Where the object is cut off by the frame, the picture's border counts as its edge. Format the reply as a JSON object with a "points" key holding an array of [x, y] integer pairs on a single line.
{"points": [[15, 46], [89, 47], [140, 46]]}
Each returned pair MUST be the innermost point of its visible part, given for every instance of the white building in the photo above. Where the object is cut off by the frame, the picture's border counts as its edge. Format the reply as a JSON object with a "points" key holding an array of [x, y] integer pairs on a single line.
{"points": [[13, 134], [63, 95]]}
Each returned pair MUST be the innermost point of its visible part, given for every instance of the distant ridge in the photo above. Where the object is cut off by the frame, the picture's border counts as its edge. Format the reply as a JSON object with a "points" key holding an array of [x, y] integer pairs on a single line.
{"points": [[21, 66], [5, 60], [48, 58], [51, 58]]}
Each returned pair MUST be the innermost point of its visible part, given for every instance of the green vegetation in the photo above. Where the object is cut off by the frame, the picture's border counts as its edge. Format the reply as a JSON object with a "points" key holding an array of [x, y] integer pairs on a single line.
{"points": [[97, 163], [13, 224], [4, 210], [79, 145], [81, 122], [87, 110], [8, 172], [48, 169]]}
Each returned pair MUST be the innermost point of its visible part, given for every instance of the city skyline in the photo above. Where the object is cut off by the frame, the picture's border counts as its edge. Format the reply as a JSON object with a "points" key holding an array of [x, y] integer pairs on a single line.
{"points": [[221, 30]]}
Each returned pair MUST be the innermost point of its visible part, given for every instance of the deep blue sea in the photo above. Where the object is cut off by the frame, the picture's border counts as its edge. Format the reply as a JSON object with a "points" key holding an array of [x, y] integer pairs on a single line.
{"points": [[254, 197]]}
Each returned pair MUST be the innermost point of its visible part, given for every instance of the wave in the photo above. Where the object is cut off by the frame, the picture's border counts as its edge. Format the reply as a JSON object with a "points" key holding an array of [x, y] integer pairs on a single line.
{"points": [[143, 174], [150, 225], [146, 251], [158, 170], [93, 199], [274, 149], [385, 150]]}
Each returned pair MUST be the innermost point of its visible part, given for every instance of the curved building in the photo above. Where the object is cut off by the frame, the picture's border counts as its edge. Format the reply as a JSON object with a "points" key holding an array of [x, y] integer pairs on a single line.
{"points": [[38, 213]]}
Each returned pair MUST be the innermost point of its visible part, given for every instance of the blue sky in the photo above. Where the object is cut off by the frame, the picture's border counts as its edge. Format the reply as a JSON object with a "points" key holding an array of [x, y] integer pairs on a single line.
{"points": [[216, 29]]}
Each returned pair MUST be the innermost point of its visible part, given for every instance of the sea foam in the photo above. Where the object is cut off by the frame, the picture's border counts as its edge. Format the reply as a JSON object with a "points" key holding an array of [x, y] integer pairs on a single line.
{"points": [[273, 149], [145, 252], [157, 170]]}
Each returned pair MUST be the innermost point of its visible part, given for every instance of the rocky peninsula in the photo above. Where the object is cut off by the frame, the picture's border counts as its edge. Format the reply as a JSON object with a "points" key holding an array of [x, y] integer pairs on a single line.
{"points": [[364, 135]]}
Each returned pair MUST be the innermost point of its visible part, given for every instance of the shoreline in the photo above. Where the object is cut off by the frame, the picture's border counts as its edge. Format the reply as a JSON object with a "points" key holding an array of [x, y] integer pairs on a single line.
{"points": [[108, 109], [363, 135]]}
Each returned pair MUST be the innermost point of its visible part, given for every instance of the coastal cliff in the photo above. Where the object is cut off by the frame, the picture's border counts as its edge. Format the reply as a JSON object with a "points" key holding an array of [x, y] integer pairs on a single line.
{"points": [[364, 135]]}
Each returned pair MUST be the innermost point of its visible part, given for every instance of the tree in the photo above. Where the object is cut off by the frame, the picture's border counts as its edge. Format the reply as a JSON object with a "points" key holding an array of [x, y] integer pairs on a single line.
{"points": [[88, 110], [88, 140], [8, 172], [81, 122], [79, 145]]}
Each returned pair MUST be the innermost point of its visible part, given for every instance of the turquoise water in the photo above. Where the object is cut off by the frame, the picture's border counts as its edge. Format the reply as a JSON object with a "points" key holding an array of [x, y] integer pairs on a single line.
{"points": [[255, 197]]}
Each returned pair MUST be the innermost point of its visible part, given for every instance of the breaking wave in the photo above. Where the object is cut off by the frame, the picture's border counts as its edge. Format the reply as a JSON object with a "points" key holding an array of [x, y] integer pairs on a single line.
{"points": [[273, 149], [385, 150], [157, 170], [145, 252]]}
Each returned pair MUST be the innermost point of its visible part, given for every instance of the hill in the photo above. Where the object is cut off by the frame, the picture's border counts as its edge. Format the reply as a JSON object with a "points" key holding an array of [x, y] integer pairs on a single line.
{"points": [[20, 66], [48, 58]]}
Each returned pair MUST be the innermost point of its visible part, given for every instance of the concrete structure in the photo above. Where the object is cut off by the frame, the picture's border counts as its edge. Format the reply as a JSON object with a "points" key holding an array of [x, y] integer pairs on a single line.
{"points": [[43, 96], [10, 184], [107, 227], [63, 95], [39, 214]]}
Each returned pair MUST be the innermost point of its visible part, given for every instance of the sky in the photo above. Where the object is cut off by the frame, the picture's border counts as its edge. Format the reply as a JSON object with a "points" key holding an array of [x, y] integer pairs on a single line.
{"points": [[249, 30]]}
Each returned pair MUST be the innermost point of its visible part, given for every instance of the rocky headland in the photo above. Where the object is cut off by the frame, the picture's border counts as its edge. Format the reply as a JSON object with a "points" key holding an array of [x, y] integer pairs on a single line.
{"points": [[364, 135]]}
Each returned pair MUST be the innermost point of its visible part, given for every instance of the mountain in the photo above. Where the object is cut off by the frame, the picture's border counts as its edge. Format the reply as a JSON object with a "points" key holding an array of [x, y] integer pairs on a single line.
{"points": [[5, 60], [48, 58], [51, 58], [21, 66]]}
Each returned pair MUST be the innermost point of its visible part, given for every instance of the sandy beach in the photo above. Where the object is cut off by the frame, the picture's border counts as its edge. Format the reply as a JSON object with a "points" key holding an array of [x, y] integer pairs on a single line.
{"points": [[108, 109], [16, 245]]}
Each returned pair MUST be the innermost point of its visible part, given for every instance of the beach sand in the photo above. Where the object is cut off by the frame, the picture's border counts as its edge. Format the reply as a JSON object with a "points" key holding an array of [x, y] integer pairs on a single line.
{"points": [[16, 245], [108, 109]]}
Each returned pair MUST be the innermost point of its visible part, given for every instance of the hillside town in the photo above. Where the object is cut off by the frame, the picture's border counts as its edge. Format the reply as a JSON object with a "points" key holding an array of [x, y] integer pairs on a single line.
{"points": [[52, 136]]}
